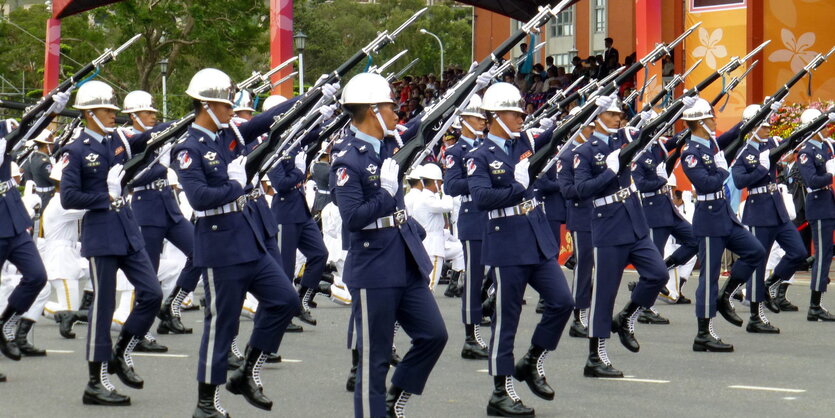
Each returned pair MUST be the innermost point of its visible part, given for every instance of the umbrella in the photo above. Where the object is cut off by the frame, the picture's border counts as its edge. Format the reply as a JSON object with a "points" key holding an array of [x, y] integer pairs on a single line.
{"points": [[522, 10]]}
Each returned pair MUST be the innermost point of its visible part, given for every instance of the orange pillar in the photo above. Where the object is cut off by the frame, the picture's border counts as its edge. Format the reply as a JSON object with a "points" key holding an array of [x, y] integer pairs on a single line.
{"points": [[281, 42], [647, 35], [52, 55]]}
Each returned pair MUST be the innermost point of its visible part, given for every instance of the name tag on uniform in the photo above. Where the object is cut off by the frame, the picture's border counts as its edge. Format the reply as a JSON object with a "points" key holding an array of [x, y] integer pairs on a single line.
{"points": [[526, 154], [496, 167], [92, 160]]}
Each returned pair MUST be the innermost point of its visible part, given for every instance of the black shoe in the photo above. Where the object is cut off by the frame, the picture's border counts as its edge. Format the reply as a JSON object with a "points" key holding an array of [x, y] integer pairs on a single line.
{"points": [[208, 402], [529, 369], [86, 300], [683, 300], [8, 327], [649, 316], [707, 340], [782, 301], [22, 341], [352, 376], [723, 303], [395, 358], [234, 361], [452, 289], [772, 285], [504, 402], [150, 345], [396, 400], [2, 377], [305, 297], [624, 324], [99, 391], [577, 330], [122, 363], [325, 288], [819, 313], [758, 323], [292, 327], [540, 306], [571, 262], [273, 358], [306, 317], [169, 314], [65, 321], [631, 286], [598, 364], [246, 381], [472, 350]]}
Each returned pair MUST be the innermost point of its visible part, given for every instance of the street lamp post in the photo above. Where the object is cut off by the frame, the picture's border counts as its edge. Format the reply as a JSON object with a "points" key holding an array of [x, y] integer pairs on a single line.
{"points": [[163, 66], [426, 32], [300, 39]]}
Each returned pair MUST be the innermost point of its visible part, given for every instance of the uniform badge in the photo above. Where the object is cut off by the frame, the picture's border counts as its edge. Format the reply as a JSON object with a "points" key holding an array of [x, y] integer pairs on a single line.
{"points": [[91, 157], [803, 158], [526, 154], [576, 160], [691, 161], [211, 155], [470, 167], [632, 166], [599, 156], [648, 161], [750, 158], [819, 157], [184, 159], [395, 151], [371, 168], [119, 150], [362, 148], [559, 165], [449, 161], [49, 168], [706, 157], [340, 153], [342, 176], [65, 159], [495, 165]]}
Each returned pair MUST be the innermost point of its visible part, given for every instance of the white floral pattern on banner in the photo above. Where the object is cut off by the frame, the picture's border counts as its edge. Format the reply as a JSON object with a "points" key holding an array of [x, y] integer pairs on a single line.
{"points": [[710, 48], [797, 50]]}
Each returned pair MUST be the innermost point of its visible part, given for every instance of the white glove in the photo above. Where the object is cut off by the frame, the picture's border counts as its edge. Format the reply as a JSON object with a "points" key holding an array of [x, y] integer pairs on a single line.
{"points": [[520, 173], [661, 170], [114, 181], [165, 156], [473, 66], [299, 161], [764, 160], [236, 170], [831, 116], [688, 101], [646, 116], [3, 151], [720, 161], [776, 106], [830, 166], [604, 102], [613, 161], [388, 177], [327, 111], [60, 101], [546, 123], [485, 79], [329, 91]]}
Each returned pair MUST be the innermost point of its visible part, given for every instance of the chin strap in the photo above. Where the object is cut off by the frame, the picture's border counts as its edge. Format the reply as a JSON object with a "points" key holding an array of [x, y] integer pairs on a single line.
{"points": [[603, 125], [214, 118], [386, 131], [99, 124], [505, 128], [139, 121], [475, 133]]}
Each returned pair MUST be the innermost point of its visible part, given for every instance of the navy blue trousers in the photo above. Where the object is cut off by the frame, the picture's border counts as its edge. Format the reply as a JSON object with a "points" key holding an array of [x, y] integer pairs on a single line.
{"points": [[609, 264], [822, 239], [740, 242], [789, 239], [226, 288], [307, 238], [581, 280], [682, 231], [181, 234], [511, 282], [148, 297], [375, 312], [20, 250], [473, 279]]}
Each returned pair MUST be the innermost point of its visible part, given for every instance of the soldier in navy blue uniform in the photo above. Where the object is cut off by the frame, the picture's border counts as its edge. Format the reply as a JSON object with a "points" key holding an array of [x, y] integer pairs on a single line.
{"points": [[38, 166], [597, 176], [716, 226], [520, 248], [470, 225], [767, 218], [228, 247], [387, 268], [578, 223], [817, 167], [110, 239], [16, 245]]}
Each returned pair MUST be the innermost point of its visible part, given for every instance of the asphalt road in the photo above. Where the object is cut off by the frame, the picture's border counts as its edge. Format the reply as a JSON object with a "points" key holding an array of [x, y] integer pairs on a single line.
{"points": [[791, 374]]}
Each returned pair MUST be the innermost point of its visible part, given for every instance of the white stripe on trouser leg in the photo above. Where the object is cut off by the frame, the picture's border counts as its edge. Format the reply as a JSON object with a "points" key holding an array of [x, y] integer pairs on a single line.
{"points": [[594, 288], [754, 275], [819, 259], [497, 333], [576, 267], [468, 317], [366, 397], [210, 347], [91, 319], [708, 278], [280, 234]]}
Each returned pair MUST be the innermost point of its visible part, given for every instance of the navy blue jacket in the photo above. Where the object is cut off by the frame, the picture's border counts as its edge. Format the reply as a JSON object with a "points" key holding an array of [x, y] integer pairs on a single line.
{"points": [[471, 220], [762, 209], [578, 218], [812, 158], [12, 212]]}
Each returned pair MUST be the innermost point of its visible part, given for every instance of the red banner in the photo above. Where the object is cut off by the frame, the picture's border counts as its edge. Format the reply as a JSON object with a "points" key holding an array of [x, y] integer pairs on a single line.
{"points": [[52, 55], [281, 42]]}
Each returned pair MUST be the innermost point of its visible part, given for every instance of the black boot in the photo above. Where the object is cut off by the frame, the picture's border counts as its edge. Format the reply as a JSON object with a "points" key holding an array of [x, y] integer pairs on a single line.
{"points": [[22, 341], [772, 284], [8, 327], [570, 262], [452, 287], [352, 376], [504, 401], [2, 377], [651, 316], [273, 358], [670, 263], [473, 348], [293, 327], [169, 314], [540, 306], [578, 328], [816, 311], [246, 381], [208, 402], [531, 370], [598, 364], [235, 358], [724, 305], [325, 288], [758, 323], [65, 321], [395, 358], [396, 399], [122, 363], [86, 300], [305, 295], [624, 324], [99, 390], [707, 340], [683, 300], [781, 300], [149, 344]]}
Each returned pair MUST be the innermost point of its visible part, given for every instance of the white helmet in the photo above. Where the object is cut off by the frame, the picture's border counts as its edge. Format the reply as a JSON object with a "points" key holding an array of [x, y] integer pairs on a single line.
{"points": [[415, 174], [95, 94], [701, 110], [502, 97], [431, 172], [211, 85], [366, 88], [752, 111], [44, 137], [272, 101], [616, 106], [808, 116], [577, 109], [138, 101], [243, 102], [474, 108]]}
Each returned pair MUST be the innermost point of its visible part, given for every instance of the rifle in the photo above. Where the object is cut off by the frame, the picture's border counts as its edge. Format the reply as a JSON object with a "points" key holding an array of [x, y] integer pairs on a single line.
{"points": [[256, 159], [799, 136], [585, 91], [552, 101], [732, 85], [257, 77], [395, 76], [64, 138], [136, 166], [667, 90], [40, 116], [69, 113], [263, 88], [779, 95]]}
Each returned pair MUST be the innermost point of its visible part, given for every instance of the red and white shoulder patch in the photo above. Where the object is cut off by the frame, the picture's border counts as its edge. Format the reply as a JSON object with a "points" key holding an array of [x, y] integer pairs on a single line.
{"points": [[470, 167], [342, 176], [184, 159]]}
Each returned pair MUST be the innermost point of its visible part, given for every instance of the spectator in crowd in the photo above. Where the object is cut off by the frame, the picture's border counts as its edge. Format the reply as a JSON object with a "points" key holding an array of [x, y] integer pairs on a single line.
{"points": [[611, 56]]}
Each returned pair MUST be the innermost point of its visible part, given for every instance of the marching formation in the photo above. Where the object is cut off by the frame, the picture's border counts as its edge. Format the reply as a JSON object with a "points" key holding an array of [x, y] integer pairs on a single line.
{"points": [[326, 193]]}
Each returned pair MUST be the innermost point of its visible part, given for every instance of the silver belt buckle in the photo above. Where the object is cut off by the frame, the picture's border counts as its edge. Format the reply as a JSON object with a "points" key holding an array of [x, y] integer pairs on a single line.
{"points": [[254, 194], [4, 187], [622, 194], [772, 187], [117, 204], [399, 217], [526, 206], [240, 202], [158, 184]]}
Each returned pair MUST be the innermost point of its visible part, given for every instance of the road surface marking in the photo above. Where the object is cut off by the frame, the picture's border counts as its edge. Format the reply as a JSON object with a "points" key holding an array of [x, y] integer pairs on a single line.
{"points": [[632, 379], [767, 389], [60, 351], [159, 355]]}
